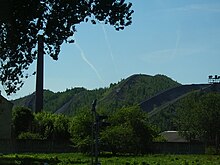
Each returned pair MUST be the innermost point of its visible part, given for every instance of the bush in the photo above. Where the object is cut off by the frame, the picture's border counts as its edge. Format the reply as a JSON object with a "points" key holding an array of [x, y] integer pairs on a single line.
{"points": [[159, 138], [22, 119], [210, 150], [130, 131], [52, 126], [29, 135], [81, 131]]}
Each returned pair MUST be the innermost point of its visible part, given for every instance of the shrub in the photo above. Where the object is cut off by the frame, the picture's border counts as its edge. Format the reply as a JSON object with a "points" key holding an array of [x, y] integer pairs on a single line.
{"points": [[210, 150], [29, 135], [22, 119]]}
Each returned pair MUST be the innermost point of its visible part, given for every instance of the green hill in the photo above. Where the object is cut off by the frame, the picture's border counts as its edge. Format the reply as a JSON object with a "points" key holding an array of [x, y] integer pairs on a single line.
{"points": [[127, 92], [158, 95], [135, 89], [54, 101], [164, 116]]}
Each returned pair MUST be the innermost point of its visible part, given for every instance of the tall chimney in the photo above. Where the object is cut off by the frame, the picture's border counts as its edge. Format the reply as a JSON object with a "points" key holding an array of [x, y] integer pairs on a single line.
{"points": [[40, 74]]}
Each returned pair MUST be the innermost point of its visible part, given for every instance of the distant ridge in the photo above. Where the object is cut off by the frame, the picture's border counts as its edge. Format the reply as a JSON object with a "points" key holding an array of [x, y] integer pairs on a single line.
{"points": [[127, 92], [170, 95], [157, 95], [162, 108], [135, 89]]}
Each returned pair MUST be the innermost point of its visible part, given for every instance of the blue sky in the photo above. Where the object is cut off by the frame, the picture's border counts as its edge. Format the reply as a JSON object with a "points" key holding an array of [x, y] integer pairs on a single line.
{"points": [[177, 38]]}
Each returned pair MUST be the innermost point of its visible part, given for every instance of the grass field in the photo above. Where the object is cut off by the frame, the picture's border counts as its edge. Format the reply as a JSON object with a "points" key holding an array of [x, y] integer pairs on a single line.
{"points": [[76, 158]]}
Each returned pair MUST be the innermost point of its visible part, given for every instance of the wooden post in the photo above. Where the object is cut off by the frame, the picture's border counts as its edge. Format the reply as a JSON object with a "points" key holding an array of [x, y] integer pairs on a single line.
{"points": [[95, 134], [40, 74]]}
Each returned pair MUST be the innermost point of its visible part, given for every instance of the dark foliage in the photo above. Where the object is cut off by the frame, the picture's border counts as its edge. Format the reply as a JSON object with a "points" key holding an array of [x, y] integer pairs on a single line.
{"points": [[195, 116], [44, 126], [51, 126], [198, 117], [22, 119], [56, 20], [130, 132]]}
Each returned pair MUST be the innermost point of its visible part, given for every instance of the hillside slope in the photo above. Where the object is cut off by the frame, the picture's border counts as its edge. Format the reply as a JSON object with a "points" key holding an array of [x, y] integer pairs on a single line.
{"points": [[164, 116], [170, 95], [134, 90], [127, 92]]}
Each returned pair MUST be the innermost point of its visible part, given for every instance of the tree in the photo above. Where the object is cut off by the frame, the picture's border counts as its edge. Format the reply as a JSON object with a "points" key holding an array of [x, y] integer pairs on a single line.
{"points": [[22, 119], [187, 116], [198, 117], [52, 126], [111, 139], [130, 124], [209, 116], [81, 130], [56, 20]]}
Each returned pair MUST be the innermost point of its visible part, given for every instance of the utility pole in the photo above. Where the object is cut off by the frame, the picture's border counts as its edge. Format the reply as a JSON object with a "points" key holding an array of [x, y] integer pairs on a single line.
{"points": [[98, 121], [93, 130], [95, 134], [40, 75]]}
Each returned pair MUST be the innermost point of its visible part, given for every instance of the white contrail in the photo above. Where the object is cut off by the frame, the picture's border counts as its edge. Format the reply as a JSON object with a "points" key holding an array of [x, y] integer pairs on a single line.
{"points": [[109, 47], [88, 62]]}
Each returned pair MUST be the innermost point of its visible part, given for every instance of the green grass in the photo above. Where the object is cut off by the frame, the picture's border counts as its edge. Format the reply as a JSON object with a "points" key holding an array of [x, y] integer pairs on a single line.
{"points": [[76, 158]]}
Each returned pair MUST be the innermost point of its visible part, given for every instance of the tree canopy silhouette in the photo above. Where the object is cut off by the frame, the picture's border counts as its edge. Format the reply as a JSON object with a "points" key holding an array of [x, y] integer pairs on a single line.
{"points": [[56, 20]]}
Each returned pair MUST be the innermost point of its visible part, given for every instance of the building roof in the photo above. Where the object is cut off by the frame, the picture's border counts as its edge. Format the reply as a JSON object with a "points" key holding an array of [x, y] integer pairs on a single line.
{"points": [[173, 136]]}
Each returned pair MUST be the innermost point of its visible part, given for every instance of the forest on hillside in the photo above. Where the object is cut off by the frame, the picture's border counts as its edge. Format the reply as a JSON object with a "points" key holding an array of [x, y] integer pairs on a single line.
{"points": [[195, 117], [127, 92], [67, 115]]}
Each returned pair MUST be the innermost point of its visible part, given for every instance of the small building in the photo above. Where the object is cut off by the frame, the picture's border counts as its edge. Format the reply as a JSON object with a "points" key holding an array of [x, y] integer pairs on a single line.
{"points": [[173, 136], [5, 118]]}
